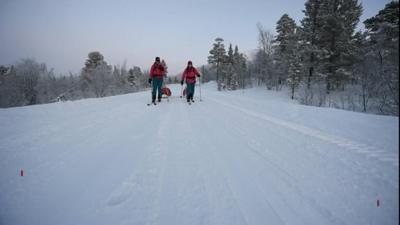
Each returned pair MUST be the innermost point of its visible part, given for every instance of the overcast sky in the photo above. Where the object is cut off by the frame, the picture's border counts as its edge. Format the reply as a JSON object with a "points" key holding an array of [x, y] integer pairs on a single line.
{"points": [[62, 33]]}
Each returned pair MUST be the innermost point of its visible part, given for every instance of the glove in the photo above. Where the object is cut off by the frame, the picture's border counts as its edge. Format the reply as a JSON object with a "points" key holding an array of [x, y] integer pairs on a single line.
{"points": [[181, 82], [198, 75], [150, 80]]}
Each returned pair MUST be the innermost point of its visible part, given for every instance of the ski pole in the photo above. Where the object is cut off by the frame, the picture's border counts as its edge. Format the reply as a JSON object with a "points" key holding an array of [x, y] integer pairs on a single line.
{"points": [[181, 90], [200, 87]]}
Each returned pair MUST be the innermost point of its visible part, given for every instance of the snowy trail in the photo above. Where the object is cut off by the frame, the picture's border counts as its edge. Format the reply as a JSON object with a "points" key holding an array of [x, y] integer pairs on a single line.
{"points": [[370, 151], [322, 176], [232, 159]]}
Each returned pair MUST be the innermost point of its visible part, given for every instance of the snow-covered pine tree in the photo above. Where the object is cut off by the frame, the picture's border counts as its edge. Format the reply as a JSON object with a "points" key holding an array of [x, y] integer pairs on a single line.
{"points": [[131, 78], [6, 86], [285, 27], [229, 64], [94, 59], [136, 78], [116, 80], [122, 83], [339, 19], [240, 69], [364, 71], [295, 68], [20, 86], [96, 74], [309, 36], [102, 80], [216, 58], [382, 49], [285, 55], [224, 70]]}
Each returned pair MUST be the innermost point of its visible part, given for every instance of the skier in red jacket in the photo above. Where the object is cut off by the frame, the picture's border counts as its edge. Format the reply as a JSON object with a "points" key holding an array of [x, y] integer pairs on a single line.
{"points": [[157, 73], [189, 75]]}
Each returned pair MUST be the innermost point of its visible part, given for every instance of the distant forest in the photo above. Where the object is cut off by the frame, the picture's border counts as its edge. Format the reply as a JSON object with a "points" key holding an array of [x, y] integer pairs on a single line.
{"points": [[323, 61]]}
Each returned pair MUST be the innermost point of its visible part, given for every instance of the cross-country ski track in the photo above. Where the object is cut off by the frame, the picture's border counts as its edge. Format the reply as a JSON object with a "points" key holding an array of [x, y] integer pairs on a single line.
{"points": [[237, 157]]}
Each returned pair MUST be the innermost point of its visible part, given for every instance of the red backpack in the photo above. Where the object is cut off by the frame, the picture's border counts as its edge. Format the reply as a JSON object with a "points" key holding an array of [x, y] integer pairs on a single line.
{"points": [[166, 91]]}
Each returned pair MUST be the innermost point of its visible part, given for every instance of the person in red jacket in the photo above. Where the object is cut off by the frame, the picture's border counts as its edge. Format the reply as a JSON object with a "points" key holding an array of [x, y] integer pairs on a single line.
{"points": [[189, 75], [157, 73]]}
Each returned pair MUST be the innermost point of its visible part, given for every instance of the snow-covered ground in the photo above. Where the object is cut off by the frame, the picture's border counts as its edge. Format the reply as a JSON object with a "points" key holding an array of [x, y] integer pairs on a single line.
{"points": [[249, 157]]}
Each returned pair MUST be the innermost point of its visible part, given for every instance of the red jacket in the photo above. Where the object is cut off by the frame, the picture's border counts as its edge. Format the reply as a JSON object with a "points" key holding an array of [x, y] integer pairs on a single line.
{"points": [[190, 75], [157, 71]]}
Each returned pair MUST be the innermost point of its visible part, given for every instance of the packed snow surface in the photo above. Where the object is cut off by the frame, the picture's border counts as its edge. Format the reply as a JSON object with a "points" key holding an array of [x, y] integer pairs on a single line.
{"points": [[237, 157]]}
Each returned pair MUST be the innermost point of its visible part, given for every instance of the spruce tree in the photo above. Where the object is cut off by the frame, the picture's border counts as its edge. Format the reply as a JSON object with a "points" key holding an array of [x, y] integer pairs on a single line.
{"points": [[309, 30], [382, 49], [229, 68], [216, 58], [285, 29], [286, 45], [96, 75], [240, 69], [339, 19], [131, 77]]}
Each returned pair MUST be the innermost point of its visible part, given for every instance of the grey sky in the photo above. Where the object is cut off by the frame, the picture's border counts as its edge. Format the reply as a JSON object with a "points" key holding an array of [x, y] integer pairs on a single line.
{"points": [[62, 33]]}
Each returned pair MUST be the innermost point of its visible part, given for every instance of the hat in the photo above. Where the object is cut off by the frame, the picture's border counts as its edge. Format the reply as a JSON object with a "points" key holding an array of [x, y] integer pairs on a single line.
{"points": [[157, 58], [189, 62]]}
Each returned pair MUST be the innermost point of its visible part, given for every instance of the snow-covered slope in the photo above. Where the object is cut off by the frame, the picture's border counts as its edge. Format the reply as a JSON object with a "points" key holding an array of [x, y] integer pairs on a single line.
{"points": [[248, 157]]}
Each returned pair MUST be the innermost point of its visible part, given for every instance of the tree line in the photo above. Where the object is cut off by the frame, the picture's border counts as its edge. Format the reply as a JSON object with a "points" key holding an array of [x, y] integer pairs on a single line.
{"points": [[323, 61], [28, 82], [228, 68]]}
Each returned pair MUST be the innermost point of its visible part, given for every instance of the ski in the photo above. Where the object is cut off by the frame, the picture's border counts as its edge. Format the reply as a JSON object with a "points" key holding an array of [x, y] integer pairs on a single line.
{"points": [[153, 103]]}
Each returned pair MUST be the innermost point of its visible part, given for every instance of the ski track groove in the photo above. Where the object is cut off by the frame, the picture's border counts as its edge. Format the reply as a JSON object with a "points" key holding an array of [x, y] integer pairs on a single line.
{"points": [[208, 188], [211, 181], [255, 144], [208, 160], [280, 200], [211, 158], [146, 181], [230, 180], [68, 154], [341, 142], [62, 126], [193, 150], [156, 205], [154, 210], [184, 201], [319, 207]]}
